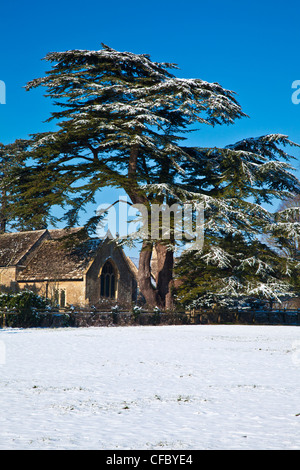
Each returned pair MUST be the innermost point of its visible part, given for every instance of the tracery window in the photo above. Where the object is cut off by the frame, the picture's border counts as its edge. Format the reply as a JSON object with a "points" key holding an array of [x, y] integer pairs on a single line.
{"points": [[108, 281]]}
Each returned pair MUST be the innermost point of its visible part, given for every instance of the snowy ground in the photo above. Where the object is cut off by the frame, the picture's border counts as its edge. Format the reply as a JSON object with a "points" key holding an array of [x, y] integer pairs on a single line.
{"points": [[163, 387]]}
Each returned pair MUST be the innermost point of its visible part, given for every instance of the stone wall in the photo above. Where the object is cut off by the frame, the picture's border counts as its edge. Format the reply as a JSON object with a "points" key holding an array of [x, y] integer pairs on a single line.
{"points": [[74, 290], [8, 279]]}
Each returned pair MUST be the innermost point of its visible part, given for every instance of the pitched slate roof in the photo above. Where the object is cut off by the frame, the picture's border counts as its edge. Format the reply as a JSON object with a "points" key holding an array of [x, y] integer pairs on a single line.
{"points": [[15, 246], [58, 254], [55, 260], [63, 232]]}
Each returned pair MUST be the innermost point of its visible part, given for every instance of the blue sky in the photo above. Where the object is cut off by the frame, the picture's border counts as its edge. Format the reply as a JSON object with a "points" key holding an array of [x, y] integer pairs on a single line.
{"points": [[251, 47]]}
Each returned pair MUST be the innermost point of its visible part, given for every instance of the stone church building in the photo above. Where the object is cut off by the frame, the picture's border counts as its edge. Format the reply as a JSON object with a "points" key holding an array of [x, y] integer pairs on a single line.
{"points": [[62, 266]]}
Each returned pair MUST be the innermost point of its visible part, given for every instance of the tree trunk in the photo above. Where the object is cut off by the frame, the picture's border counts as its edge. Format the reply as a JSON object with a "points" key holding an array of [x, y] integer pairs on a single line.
{"points": [[164, 275], [161, 295], [3, 218], [2, 224], [144, 272], [144, 276]]}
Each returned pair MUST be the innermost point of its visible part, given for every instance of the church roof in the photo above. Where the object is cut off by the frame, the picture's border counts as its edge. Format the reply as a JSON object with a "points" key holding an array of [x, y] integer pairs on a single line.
{"points": [[57, 233], [56, 260], [15, 246], [58, 254]]}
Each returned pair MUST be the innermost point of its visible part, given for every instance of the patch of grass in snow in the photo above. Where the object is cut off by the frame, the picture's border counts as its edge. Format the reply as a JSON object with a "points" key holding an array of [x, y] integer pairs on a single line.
{"points": [[184, 399]]}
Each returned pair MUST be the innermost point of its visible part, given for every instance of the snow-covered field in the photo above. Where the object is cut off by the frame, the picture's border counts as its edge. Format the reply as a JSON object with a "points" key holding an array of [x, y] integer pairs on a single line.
{"points": [[163, 387]]}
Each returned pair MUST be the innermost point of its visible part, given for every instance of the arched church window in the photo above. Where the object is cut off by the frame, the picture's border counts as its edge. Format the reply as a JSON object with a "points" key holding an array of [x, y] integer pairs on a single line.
{"points": [[108, 281]]}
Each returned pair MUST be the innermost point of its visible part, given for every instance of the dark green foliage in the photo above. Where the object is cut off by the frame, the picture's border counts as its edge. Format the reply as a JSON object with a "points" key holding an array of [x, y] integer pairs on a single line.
{"points": [[236, 266], [233, 272], [24, 307], [12, 161], [117, 124]]}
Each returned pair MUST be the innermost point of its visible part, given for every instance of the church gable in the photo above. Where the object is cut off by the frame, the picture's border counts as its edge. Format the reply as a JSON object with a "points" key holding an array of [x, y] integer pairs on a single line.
{"points": [[110, 276]]}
